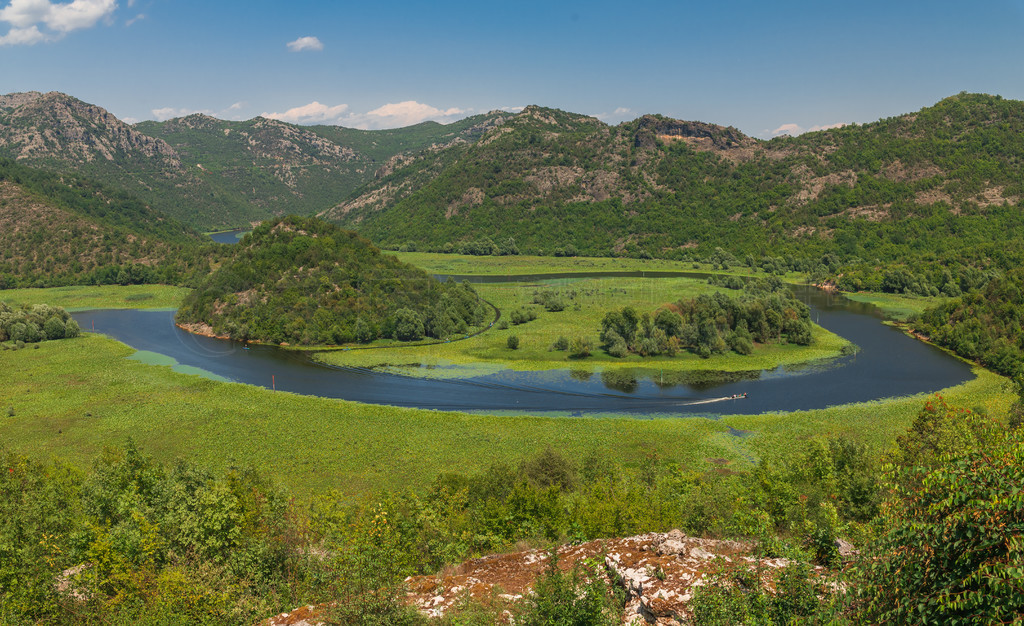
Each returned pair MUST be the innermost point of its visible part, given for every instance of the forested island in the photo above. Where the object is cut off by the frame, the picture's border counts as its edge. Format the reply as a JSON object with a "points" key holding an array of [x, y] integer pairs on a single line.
{"points": [[304, 281]]}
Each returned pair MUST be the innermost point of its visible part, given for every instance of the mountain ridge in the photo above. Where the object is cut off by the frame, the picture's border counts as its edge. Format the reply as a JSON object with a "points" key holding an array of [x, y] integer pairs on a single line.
{"points": [[663, 187], [208, 172]]}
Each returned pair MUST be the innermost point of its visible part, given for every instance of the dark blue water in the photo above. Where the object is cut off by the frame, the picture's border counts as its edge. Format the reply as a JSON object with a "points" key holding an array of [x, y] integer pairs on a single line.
{"points": [[230, 236], [888, 364]]}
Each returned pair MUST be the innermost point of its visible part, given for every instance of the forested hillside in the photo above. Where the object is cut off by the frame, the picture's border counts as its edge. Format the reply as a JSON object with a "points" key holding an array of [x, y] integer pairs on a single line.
{"points": [[306, 281], [923, 191], [983, 325], [63, 230]]}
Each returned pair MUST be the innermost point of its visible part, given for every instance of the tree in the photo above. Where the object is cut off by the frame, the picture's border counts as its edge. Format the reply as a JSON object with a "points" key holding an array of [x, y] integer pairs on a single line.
{"points": [[408, 325], [54, 328]]}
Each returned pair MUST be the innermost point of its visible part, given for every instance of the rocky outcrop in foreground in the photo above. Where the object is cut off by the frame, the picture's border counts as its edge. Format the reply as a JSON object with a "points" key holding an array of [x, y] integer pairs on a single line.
{"points": [[660, 572]]}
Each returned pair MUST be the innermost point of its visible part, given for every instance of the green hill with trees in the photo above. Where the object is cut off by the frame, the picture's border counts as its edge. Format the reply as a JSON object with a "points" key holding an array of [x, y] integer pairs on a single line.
{"points": [[305, 281], [983, 325], [66, 230]]}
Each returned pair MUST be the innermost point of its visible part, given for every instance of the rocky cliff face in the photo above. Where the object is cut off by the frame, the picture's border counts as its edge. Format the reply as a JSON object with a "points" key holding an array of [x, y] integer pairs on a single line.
{"points": [[698, 134]]}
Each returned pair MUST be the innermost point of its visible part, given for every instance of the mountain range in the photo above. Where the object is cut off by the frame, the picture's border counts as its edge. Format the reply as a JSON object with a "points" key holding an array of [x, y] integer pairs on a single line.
{"points": [[946, 180]]}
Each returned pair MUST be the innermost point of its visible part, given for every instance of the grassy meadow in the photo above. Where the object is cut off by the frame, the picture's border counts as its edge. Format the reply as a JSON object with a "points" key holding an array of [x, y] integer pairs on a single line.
{"points": [[897, 306], [70, 398], [100, 296], [464, 264], [588, 299]]}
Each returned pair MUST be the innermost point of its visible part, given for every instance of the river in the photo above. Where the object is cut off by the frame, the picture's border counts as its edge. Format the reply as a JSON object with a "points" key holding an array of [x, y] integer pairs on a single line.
{"points": [[888, 364]]}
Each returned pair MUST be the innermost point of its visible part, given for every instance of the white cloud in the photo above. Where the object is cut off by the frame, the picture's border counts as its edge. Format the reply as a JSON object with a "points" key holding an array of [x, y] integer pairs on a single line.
{"points": [[167, 113], [140, 16], [512, 109], [787, 129], [827, 126], [23, 13], [305, 43], [26, 16], [312, 113], [398, 114], [795, 129], [618, 115], [22, 37]]}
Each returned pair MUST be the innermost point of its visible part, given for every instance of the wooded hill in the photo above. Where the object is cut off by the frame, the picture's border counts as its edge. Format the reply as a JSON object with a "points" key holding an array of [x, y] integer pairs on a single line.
{"points": [[207, 172], [303, 280], [63, 229], [944, 183]]}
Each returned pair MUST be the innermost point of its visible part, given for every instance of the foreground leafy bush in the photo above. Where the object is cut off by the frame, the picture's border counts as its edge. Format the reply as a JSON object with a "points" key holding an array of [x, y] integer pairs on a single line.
{"points": [[579, 596], [739, 596], [953, 550]]}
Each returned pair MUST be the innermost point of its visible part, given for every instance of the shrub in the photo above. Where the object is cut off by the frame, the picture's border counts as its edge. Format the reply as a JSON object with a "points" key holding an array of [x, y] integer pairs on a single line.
{"points": [[580, 347], [512, 342], [954, 539], [549, 468], [579, 596], [561, 344]]}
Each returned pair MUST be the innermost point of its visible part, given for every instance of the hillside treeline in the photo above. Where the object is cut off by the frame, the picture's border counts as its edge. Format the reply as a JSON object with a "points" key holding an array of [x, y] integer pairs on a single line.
{"points": [[914, 193], [305, 281], [937, 521], [984, 325]]}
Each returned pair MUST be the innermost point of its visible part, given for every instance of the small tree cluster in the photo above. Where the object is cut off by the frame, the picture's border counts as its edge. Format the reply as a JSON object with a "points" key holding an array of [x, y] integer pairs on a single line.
{"points": [[38, 322], [711, 324], [551, 301]]}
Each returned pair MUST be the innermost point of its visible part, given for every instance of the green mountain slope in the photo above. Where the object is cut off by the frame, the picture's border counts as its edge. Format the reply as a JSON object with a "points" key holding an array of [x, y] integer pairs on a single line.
{"points": [[60, 230], [207, 172], [944, 182], [303, 280]]}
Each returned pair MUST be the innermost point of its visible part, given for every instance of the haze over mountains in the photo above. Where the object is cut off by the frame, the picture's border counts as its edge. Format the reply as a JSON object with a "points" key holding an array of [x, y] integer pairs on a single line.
{"points": [[550, 179]]}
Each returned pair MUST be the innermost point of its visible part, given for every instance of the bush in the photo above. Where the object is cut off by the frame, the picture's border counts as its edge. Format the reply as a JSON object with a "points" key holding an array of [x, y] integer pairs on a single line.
{"points": [[580, 348], [512, 342], [580, 596], [955, 535], [408, 325], [561, 344], [549, 468]]}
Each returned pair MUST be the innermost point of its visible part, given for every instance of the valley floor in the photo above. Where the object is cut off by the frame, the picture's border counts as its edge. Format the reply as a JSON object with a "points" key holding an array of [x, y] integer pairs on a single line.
{"points": [[70, 398]]}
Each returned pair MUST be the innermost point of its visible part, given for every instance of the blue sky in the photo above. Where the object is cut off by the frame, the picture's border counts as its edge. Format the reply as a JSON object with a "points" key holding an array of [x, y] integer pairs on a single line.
{"points": [[763, 67]]}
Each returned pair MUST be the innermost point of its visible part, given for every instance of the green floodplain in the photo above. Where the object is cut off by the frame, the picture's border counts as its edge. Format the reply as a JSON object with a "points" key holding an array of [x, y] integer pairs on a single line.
{"points": [[71, 398]]}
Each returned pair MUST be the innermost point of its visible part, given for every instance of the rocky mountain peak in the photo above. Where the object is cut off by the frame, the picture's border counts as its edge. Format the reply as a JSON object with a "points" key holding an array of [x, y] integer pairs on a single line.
{"points": [[14, 100], [57, 126]]}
